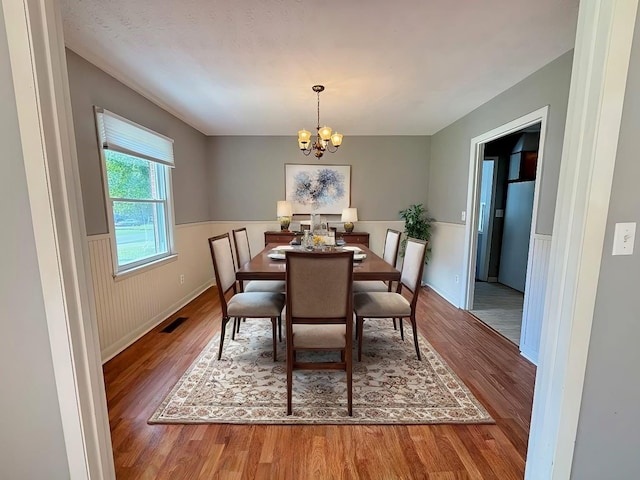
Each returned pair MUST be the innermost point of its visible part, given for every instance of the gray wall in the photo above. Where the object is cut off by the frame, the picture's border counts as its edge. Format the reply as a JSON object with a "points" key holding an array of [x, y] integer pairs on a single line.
{"points": [[91, 86], [449, 164], [247, 175], [31, 438], [608, 440]]}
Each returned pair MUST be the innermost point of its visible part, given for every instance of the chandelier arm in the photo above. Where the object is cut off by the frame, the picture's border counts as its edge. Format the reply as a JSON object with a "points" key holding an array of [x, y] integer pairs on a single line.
{"points": [[328, 149]]}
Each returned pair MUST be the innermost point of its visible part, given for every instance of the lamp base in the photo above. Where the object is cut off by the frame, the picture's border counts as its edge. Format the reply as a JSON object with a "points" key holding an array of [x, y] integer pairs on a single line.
{"points": [[348, 227], [284, 223]]}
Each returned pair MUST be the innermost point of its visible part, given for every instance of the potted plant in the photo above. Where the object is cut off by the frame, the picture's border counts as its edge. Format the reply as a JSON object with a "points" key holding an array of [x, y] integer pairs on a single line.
{"points": [[416, 225]]}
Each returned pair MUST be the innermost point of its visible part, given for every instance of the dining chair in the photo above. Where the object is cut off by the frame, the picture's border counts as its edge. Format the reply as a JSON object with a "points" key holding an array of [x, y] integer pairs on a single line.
{"points": [[389, 255], [319, 314], [394, 304], [243, 255], [240, 304]]}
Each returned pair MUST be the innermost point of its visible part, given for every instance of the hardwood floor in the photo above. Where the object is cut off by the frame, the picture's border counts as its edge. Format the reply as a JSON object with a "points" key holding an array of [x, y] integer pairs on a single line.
{"points": [[138, 378]]}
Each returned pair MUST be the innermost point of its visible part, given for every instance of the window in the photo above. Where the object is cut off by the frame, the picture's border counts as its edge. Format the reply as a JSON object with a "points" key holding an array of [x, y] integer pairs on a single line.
{"points": [[137, 166]]}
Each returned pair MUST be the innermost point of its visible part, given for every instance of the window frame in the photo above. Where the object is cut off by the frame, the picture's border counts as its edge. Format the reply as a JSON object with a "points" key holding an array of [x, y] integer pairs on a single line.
{"points": [[169, 230]]}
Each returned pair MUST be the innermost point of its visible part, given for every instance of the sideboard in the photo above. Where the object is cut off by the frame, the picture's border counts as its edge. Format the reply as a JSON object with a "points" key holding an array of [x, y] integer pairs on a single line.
{"points": [[284, 236]]}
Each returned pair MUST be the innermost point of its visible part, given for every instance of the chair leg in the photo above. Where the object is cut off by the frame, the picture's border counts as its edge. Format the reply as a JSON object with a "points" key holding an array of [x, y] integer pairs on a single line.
{"points": [[222, 332], [401, 329], [415, 336], [359, 328], [395, 327], [280, 328], [275, 339], [238, 324], [233, 330], [349, 362], [290, 358]]}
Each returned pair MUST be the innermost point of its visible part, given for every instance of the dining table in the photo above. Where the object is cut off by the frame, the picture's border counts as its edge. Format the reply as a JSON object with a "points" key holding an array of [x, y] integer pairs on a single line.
{"points": [[262, 267]]}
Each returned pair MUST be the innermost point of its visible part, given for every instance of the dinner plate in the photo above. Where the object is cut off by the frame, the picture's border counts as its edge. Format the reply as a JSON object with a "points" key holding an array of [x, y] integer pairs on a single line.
{"points": [[276, 255]]}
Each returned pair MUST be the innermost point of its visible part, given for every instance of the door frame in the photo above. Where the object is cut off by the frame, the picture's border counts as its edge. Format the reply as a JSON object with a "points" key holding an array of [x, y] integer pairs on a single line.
{"points": [[476, 156], [488, 232]]}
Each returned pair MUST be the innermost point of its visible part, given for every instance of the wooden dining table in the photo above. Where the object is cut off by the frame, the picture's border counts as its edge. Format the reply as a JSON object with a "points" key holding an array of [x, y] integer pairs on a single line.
{"points": [[261, 267]]}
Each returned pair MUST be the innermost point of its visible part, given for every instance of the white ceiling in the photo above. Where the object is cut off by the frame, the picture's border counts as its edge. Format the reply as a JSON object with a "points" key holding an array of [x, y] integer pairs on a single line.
{"points": [[246, 67]]}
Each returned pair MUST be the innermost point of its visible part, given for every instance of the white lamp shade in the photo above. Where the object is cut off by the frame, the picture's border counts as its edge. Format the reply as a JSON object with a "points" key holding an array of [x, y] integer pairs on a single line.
{"points": [[349, 215], [284, 209]]}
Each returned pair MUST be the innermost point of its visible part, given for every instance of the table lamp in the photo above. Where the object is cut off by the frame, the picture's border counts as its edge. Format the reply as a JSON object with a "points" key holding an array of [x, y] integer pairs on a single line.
{"points": [[349, 215], [284, 213]]}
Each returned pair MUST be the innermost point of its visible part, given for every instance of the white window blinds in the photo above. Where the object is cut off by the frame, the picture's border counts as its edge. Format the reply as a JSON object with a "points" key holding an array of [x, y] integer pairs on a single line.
{"points": [[122, 135]]}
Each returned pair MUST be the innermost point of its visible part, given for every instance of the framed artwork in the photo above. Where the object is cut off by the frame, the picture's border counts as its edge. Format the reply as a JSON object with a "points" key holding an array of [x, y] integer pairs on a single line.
{"points": [[323, 189]]}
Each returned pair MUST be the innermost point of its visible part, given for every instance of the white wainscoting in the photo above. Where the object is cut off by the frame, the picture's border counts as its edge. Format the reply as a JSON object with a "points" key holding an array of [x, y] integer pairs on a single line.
{"points": [[533, 309], [446, 263], [129, 307]]}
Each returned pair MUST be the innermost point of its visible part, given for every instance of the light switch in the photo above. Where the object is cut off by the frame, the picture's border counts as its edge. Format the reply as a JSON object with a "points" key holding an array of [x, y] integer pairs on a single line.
{"points": [[499, 213], [623, 238]]}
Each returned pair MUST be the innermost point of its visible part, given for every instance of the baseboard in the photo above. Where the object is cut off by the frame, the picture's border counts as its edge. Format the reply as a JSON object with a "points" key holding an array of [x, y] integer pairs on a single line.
{"points": [[529, 355], [113, 350], [442, 294]]}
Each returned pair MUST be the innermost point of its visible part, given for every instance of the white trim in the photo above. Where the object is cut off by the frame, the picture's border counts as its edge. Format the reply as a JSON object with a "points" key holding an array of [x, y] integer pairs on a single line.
{"points": [[599, 73], [475, 156], [134, 336], [36, 48]]}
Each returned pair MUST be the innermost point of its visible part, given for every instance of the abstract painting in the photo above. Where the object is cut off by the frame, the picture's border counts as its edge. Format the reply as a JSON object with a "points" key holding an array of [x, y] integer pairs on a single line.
{"points": [[324, 189]]}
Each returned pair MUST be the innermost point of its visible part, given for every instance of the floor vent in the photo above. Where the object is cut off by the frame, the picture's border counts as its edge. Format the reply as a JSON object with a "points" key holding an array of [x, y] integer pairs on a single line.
{"points": [[173, 325]]}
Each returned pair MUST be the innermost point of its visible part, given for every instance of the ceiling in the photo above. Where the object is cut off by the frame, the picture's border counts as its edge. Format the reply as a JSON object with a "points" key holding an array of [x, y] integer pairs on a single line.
{"points": [[404, 67]]}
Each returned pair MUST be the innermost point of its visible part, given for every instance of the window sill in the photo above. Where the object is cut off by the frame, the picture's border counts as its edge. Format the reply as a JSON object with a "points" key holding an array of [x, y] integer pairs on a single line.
{"points": [[143, 268]]}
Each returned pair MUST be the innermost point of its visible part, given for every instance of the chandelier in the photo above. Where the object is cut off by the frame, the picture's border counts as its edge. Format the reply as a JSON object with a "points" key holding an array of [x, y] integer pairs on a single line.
{"points": [[323, 136]]}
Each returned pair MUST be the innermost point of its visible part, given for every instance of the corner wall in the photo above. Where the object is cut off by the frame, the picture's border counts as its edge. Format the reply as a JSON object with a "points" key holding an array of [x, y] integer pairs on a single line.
{"points": [[607, 441], [449, 167], [91, 86]]}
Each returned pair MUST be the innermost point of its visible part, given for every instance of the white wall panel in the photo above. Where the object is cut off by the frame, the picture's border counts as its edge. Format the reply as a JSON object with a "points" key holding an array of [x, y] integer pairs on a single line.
{"points": [[533, 309], [128, 307], [446, 263]]}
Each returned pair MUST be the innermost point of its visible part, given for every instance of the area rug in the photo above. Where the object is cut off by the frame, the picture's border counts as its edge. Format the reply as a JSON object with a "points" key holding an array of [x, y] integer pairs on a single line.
{"points": [[390, 386]]}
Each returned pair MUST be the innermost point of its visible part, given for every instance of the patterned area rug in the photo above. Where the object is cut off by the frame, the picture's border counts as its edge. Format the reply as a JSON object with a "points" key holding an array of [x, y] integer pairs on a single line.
{"points": [[390, 386]]}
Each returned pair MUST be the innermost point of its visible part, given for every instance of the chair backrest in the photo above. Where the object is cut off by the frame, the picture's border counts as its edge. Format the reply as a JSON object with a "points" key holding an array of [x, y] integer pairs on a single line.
{"points": [[413, 266], [319, 287], [391, 246], [241, 239], [223, 265]]}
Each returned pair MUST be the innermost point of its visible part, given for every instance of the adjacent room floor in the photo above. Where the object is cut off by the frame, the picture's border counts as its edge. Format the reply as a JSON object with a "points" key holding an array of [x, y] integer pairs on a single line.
{"points": [[500, 307]]}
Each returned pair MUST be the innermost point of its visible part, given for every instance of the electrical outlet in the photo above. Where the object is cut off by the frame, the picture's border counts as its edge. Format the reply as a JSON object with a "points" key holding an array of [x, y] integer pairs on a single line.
{"points": [[457, 278], [182, 279], [463, 216]]}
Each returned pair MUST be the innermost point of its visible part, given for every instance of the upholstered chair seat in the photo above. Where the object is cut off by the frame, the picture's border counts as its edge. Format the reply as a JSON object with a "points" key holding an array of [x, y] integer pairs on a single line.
{"points": [[370, 304], [255, 304]]}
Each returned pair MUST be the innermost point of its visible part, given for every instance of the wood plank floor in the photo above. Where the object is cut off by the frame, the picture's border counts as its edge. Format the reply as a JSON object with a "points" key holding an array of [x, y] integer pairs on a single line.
{"points": [[138, 378]]}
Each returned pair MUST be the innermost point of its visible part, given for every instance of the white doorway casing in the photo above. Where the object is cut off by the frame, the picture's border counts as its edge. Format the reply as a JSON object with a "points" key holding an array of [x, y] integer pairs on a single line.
{"points": [[473, 193]]}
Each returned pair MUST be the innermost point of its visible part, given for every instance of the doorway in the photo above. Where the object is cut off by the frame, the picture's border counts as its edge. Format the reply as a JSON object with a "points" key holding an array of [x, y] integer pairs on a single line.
{"points": [[518, 167], [505, 211]]}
